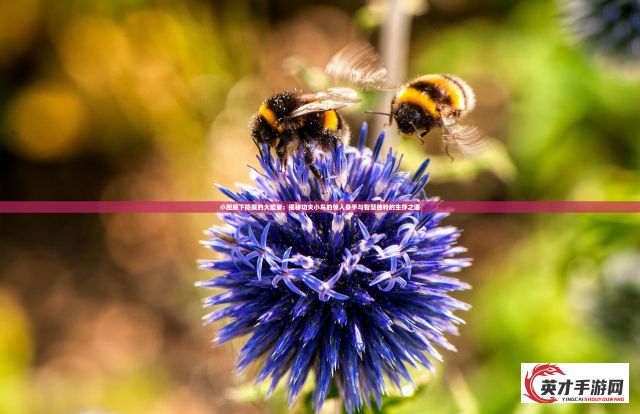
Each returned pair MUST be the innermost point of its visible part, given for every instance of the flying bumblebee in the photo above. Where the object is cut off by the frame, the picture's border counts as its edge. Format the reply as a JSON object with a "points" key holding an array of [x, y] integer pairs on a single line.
{"points": [[420, 104], [306, 119]]}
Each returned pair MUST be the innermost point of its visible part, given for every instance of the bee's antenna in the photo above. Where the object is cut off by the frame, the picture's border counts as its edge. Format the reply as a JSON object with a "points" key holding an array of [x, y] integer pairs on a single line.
{"points": [[377, 113]]}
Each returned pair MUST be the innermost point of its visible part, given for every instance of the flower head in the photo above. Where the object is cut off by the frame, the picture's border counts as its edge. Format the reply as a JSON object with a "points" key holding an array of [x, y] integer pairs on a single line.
{"points": [[616, 304], [609, 27], [352, 297]]}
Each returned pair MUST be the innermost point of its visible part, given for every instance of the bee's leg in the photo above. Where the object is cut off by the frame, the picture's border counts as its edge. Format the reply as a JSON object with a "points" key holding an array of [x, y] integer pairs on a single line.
{"points": [[263, 137], [281, 151], [447, 136], [309, 159], [327, 142], [421, 137], [446, 150]]}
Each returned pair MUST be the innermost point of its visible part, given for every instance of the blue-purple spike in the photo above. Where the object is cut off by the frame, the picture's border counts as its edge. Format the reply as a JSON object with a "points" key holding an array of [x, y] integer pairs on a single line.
{"points": [[378, 146], [362, 138]]}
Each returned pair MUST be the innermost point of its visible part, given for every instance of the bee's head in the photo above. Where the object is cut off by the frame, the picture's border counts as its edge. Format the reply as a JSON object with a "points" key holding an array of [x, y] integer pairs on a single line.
{"points": [[282, 104], [411, 118]]}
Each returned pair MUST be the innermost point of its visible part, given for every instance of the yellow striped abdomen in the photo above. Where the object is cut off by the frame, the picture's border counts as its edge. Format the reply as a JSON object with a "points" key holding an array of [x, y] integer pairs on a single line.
{"points": [[458, 91], [411, 95], [330, 120]]}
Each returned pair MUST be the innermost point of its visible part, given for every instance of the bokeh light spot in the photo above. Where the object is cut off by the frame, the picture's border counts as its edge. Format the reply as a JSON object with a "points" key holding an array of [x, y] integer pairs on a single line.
{"points": [[95, 52], [46, 122]]}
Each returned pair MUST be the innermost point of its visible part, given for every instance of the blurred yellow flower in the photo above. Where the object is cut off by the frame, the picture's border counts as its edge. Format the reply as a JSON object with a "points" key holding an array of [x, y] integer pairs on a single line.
{"points": [[46, 121], [95, 52]]}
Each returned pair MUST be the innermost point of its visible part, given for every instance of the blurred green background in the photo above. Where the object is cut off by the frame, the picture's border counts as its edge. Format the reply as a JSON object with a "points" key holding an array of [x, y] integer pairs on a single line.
{"points": [[150, 100]]}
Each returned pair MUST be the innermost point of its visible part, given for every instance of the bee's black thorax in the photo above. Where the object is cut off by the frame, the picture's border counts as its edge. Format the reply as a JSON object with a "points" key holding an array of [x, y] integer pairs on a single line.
{"points": [[283, 104]]}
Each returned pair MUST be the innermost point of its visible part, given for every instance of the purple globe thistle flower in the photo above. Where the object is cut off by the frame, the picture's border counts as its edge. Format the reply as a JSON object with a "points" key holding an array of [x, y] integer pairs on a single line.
{"points": [[608, 27], [352, 297], [616, 301]]}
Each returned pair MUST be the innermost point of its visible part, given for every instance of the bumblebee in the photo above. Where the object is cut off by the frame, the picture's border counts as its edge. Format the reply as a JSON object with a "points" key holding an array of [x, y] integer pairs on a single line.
{"points": [[419, 105], [436, 100], [308, 120]]}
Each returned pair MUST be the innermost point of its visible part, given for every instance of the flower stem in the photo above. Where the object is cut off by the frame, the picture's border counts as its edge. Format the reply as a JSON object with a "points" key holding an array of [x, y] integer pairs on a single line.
{"points": [[394, 50]]}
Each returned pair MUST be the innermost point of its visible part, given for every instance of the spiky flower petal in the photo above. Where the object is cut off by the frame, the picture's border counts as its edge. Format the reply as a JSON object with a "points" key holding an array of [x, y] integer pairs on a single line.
{"points": [[352, 297]]}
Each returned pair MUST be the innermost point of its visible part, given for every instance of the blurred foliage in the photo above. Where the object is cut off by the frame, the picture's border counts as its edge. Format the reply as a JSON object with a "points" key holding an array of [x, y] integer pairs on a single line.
{"points": [[15, 356], [139, 99]]}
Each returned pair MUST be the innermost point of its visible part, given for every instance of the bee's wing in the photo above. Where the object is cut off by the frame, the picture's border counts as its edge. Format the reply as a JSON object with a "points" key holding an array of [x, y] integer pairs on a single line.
{"points": [[333, 98], [463, 140], [359, 64], [332, 93]]}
